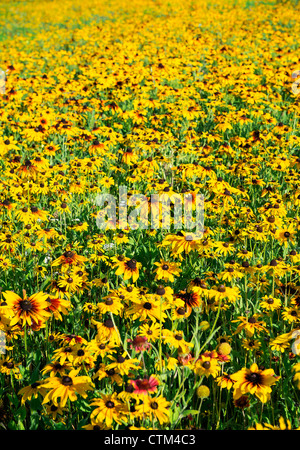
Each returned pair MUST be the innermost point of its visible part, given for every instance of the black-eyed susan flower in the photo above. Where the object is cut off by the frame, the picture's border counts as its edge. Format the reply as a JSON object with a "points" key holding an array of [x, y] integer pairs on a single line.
{"points": [[166, 271], [10, 367], [206, 366], [148, 307], [156, 408], [67, 387], [254, 381], [109, 409], [28, 310], [32, 391], [250, 325], [128, 268], [123, 364]]}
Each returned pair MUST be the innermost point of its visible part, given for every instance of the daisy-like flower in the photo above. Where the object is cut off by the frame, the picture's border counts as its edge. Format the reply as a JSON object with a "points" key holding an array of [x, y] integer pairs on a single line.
{"points": [[166, 271], [250, 325], [254, 381], [33, 390], [225, 381], [70, 283], [9, 367], [112, 374], [139, 344], [108, 409], [66, 387], [123, 364], [56, 367], [207, 366], [269, 303], [58, 306], [149, 307], [251, 344], [155, 408], [101, 347], [176, 340], [69, 258], [128, 268], [222, 292], [291, 314], [27, 310], [191, 298], [111, 304], [151, 331], [145, 386], [106, 330], [182, 242], [286, 235], [54, 411]]}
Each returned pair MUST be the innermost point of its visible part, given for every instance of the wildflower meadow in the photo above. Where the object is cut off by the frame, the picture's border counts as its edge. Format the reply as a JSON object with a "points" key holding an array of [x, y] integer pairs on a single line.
{"points": [[149, 215]]}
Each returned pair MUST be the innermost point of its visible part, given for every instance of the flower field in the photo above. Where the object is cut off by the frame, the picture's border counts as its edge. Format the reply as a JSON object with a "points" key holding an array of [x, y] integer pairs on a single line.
{"points": [[149, 327]]}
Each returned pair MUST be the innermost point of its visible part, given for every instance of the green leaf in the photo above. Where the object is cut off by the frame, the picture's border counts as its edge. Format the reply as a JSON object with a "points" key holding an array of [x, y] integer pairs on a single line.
{"points": [[193, 412], [21, 412]]}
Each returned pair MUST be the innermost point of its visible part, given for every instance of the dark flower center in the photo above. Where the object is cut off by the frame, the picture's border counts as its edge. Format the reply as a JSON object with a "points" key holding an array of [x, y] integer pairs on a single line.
{"points": [[109, 301], [109, 323], [147, 305], [129, 388], [67, 381], [206, 365], [26, 305], [109, 404], [160, 290], [131, 264], [178, 337], [120, 359], [154, 405], [68, 254], [254, 378]]}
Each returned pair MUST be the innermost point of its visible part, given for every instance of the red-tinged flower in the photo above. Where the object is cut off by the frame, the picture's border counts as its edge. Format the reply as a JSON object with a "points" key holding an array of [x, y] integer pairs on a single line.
{"points": [[139, 343], [185, 359], [191, 300], [146, 385], [69, 258], [28, 310]]}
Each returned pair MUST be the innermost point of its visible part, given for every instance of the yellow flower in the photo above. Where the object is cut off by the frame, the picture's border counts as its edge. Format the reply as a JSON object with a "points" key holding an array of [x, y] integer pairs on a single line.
{"points": [[27, 310], [66, 388], [108, 409], [254, 381], [207, 366], [156, 408]]}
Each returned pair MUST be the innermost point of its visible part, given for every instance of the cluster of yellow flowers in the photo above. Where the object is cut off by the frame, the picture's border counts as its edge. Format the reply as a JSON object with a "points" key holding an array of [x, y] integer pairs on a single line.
{"points": [[134, 327]]}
